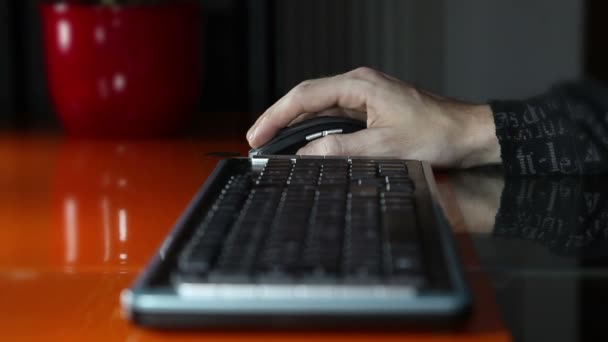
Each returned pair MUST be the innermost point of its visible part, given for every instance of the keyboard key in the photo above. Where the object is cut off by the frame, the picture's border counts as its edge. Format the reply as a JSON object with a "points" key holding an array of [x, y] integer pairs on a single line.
{"points": [[364, 191], [313, 221], [401, 233]]}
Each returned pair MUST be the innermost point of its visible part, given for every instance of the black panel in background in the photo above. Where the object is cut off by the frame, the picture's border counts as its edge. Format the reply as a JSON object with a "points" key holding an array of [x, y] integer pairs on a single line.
{"points": [[225, 58], [261, 30], [5, 63], [594, 308], [12, 65], [596, 49], [37, 103]]}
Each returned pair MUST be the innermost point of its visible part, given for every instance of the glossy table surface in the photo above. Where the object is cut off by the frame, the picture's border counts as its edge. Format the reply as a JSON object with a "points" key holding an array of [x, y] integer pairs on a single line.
{"points": [[543, 243], [79, 219]]}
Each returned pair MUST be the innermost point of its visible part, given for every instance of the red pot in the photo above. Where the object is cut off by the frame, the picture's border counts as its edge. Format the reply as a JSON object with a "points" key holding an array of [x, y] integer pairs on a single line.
{"points": [[126, 71]]}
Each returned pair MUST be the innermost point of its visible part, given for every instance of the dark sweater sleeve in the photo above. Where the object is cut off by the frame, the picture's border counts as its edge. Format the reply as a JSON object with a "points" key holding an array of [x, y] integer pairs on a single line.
{"points": [[564, 131]]}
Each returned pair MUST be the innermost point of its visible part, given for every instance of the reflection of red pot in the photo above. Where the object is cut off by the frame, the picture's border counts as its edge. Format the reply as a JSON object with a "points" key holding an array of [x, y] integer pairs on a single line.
{"points": [[122, 70], [113, 202]]}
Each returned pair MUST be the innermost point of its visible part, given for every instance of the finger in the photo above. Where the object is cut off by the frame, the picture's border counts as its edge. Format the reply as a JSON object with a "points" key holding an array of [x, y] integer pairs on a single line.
{"points": [[336, 111], [309, 97], [304, 117], [251, 129], [367, 142]]}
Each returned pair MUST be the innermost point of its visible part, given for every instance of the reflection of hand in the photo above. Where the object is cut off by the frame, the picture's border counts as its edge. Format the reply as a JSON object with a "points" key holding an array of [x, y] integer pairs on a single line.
{"points": [[478, 194], [402, 121]]}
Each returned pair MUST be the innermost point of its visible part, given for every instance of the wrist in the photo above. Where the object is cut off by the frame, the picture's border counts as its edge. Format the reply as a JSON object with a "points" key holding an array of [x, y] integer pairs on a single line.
{"points": [[479, 144]]}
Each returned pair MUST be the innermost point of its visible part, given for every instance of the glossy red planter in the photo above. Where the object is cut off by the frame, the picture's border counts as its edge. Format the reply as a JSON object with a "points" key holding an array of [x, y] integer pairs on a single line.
{"points": [[122, 71]]}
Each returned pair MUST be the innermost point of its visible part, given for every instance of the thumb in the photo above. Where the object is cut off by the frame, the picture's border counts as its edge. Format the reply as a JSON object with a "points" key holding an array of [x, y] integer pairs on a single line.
{"points": [[358, 143]]}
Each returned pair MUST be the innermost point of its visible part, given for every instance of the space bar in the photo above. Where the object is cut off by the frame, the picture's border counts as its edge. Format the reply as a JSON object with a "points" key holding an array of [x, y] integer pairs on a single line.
{"points": [[282, 291]]}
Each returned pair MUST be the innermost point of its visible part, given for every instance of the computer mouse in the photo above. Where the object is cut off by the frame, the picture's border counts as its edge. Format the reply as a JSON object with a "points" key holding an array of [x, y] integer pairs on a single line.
{"points": [[290, 139]]}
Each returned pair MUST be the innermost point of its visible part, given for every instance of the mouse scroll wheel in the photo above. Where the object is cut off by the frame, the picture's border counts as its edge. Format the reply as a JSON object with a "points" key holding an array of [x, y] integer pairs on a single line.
{"points": [[323, 134]]}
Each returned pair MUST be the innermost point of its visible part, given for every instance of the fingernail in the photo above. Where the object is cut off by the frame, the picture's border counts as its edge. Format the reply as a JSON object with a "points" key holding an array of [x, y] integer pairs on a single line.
{"points": [[251, 133]]}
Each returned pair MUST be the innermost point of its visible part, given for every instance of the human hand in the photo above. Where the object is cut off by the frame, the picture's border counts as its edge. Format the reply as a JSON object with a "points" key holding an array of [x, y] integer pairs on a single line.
{"points": [[402, 121], [477, 194]]}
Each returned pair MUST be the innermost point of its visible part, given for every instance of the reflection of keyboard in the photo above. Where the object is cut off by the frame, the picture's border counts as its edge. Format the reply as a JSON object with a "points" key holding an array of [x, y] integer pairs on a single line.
{"points": [[305, 241], [312, 221]]}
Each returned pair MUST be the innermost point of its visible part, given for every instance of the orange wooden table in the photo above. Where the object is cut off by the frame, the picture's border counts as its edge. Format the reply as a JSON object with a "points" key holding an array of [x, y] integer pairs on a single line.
{"points": [[79, 220]]}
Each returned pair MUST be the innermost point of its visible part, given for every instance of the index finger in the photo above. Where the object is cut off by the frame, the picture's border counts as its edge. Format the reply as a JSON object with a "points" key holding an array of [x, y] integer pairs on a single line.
{"points": [[308, 97]]}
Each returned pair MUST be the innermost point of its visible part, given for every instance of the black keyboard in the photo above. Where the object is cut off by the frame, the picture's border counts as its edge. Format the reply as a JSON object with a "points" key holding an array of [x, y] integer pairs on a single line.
{"points": [[305, 241], [310, 221]]}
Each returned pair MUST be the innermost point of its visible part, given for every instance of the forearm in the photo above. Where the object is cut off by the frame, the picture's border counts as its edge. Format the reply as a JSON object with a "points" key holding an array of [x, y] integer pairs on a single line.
{"points": [[562, 132]]}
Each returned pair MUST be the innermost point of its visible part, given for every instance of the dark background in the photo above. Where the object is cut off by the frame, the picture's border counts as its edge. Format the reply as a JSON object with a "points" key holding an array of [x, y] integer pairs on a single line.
{"points": [[596, 49], [255, 50]]}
